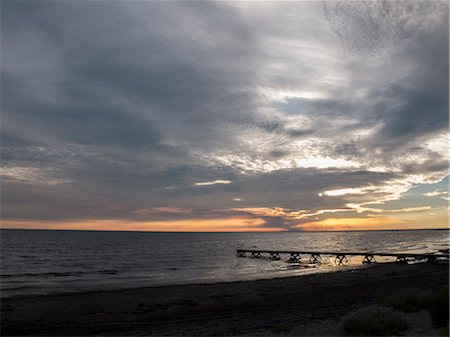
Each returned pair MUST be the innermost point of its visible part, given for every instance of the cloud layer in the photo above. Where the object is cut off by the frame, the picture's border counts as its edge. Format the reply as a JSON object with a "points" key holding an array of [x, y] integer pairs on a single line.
{"points": [[153, 111]]}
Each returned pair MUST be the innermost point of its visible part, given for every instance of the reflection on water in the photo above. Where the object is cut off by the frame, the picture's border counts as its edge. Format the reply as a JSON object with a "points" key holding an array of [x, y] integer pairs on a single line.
{"points": [[43, 261]]}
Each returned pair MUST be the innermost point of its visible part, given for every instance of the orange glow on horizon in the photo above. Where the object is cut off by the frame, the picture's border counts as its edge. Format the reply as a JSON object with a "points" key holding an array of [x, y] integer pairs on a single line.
{"points": [[436, 218], [191, 225], [342, 224], [376, 223]]}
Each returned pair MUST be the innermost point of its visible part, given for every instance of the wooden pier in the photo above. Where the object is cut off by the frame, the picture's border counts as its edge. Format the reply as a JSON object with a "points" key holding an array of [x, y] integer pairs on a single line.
{"points": [[341, 257]]}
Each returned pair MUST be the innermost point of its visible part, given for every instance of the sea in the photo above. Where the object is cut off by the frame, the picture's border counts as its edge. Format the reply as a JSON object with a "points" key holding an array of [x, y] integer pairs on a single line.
{"points": [[36, 262]]}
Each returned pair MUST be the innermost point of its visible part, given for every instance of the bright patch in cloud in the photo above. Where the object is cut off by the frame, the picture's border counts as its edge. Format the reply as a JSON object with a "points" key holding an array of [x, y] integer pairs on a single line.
{"points": [[381, 210], [326, 162], [284, 95], [344, 191], [152, 210], [288, 214], [436, 193], [31, 175], [215, 182]]}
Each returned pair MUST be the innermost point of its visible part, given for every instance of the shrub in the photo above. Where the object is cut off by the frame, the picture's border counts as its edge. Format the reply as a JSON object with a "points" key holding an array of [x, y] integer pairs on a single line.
{"points": [[373, 321], [410, 300], [406, 300]]}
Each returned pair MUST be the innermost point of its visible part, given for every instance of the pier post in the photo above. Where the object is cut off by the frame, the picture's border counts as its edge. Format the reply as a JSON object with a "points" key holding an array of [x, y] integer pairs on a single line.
{"points": [[256, 255], [432, 259], [401, 260], [295, 257], [315, 258], [240, 254], [340, 259], [275, 256], [369, 259]]}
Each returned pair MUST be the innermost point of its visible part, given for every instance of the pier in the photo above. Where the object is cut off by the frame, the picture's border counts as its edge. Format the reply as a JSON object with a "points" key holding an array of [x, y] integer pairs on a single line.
{"points": [[340, 257]]}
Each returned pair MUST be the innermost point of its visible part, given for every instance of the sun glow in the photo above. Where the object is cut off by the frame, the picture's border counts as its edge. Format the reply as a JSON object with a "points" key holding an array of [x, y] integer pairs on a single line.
{"points": [[192, 225], [352, 224]]}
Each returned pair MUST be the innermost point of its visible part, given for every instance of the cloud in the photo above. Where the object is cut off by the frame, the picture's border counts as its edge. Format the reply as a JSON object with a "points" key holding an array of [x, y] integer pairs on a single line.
{"points": [[435, 193], [438, 193], [146, 111], [410, 102], [215, 182]]}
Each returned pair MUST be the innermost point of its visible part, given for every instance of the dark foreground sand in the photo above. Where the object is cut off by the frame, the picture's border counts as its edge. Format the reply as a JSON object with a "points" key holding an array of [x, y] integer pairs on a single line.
{"points": [[304, 305]]}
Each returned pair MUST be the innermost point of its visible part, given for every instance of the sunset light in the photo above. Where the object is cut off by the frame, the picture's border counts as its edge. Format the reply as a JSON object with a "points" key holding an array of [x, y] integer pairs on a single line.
{"points": [[141, 126], [224, 168]]}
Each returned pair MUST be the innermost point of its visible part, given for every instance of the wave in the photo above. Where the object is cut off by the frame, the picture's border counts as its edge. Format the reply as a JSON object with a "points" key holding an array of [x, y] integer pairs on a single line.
{"points": [[62, 274]]}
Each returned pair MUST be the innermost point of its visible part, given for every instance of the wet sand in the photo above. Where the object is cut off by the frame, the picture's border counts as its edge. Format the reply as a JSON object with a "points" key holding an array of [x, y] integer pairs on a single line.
{"points": [[302, 305]]}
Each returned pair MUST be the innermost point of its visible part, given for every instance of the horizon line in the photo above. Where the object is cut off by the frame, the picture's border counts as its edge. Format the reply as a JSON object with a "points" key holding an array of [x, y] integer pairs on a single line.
{"points": [[222, 232]]}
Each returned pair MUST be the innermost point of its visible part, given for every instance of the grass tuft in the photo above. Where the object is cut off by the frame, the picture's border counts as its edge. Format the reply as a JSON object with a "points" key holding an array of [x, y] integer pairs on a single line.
{"points": [[411, 300], [374, 321], [406, 300]]}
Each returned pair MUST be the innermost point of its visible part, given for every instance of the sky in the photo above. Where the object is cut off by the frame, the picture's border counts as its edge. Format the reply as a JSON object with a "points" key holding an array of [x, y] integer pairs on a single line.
{"points": [[225, 116]]}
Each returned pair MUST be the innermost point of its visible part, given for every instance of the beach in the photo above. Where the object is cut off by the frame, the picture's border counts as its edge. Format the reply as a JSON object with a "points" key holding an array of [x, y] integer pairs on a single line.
{"points": [[302, 305]]}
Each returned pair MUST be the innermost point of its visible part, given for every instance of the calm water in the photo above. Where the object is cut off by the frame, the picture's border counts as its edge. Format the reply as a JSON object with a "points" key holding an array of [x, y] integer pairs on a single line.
{"points": [[35, 262]]}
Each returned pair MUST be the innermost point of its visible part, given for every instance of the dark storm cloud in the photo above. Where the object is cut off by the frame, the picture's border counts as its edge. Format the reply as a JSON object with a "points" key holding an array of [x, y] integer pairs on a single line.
{"points": [[119, 82], [109, 108], [422, 107], [397, 34]]}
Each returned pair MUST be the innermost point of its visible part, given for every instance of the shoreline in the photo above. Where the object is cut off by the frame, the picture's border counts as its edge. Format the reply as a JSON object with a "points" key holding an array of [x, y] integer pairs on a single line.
{"points": [[302, 304], [88, 289]]}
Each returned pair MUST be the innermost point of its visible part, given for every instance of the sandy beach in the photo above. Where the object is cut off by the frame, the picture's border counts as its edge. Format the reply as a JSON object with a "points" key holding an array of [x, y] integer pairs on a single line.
{"points": [[305, 305]]}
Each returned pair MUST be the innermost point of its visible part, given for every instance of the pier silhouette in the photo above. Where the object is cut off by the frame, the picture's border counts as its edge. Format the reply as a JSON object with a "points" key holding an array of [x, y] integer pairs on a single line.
{"points": [[341, 257]]}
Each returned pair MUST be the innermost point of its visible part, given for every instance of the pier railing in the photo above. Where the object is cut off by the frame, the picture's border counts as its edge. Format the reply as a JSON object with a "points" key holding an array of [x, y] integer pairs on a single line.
{"points": [[341, 257]]}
